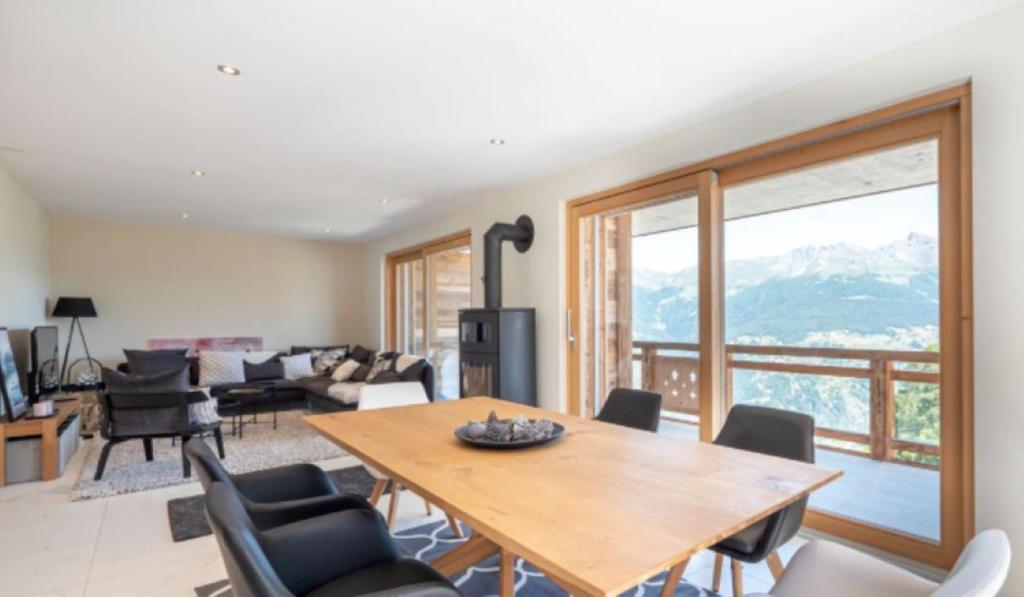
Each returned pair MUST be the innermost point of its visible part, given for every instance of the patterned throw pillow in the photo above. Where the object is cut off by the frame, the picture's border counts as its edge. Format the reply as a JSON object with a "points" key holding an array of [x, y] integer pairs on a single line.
{"points": [[220, 367], [382, 362], [297, 366], [344, 371], [326, 360]]}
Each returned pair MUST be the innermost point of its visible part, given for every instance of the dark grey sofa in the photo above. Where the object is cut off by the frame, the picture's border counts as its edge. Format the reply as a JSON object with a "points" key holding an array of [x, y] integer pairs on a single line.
{"points": [[311, 390]]}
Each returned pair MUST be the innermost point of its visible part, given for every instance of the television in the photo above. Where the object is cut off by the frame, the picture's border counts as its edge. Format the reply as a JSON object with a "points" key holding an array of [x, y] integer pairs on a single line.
{"points": [[44, 374]]}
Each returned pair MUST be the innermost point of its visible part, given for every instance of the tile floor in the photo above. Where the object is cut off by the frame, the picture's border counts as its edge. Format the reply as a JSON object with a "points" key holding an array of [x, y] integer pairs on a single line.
{"points": [[122, 545]]}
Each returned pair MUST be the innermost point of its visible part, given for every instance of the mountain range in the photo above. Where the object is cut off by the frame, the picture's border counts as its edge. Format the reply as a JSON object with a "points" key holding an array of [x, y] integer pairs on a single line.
{"points": [[827, 295]]}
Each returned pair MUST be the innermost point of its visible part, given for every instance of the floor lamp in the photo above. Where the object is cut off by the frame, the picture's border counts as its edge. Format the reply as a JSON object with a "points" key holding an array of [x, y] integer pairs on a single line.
{"points": [[74, 308]]}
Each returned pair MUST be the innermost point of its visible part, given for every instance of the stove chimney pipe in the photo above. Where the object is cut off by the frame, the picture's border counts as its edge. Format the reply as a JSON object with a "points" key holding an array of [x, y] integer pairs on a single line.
{"points": [[521, 235]]}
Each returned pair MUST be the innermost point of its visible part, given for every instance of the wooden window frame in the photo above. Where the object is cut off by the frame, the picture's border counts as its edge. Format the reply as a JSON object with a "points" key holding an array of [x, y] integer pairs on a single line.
{"points": [[945, 115], [418, 252]]}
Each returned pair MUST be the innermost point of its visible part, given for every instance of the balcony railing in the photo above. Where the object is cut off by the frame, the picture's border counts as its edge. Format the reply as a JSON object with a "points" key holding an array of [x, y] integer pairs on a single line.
{"points": [[670, 368]]}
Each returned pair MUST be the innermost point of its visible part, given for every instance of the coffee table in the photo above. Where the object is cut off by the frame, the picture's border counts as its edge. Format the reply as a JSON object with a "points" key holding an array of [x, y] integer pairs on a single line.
{"points": [[249, 399]]}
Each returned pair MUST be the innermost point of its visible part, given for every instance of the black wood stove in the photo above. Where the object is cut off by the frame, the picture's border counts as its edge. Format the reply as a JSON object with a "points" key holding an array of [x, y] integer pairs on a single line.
{"points": [[498, 346]]}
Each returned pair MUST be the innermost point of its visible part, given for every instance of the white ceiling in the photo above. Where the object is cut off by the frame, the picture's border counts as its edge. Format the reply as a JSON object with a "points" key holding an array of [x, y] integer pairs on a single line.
{"points": [[110, 104]]}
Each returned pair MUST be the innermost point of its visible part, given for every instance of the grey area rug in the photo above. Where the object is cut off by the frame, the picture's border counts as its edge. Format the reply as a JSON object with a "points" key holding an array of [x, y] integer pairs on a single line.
{"points": [[262, 447], [430, 540], [187, 515]]}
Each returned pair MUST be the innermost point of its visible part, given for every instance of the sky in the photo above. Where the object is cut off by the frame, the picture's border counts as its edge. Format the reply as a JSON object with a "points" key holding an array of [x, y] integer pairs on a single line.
{"points": [[867, 222]]}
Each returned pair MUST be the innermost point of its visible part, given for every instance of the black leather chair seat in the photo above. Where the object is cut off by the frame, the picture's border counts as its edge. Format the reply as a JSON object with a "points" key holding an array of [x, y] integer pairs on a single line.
{"points": [[407, 577], [744, 543]]}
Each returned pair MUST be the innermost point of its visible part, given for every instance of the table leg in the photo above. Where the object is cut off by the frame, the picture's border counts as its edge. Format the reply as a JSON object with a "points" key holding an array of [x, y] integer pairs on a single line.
{"points": [[473, 551], [675, 574], [50, 449], [508, 574]]}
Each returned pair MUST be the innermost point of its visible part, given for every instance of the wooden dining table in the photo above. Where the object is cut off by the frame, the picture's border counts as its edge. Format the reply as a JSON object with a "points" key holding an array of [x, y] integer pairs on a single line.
{"points": [[600, 510]]}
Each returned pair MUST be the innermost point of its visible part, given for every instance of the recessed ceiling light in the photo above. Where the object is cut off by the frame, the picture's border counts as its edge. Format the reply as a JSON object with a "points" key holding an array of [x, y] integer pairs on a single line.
{"points": [[185, 215], [327, 230], [199, 173], [497, 141], [227, 69], [383, 200]]}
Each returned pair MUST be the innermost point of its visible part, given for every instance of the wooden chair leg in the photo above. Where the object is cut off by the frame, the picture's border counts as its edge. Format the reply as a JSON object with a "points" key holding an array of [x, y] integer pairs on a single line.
{"points": [[147, 445], [378, 490], [396, 490], [454, 524], [104, 454], [737, 578], [716, 578], [775, 565]]}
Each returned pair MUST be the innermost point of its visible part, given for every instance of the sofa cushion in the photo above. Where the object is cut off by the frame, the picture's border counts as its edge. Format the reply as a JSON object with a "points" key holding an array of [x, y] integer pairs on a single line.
{"points": [[386, 377], [267, 371], [261, 356], [220, 367], [317, 385], [297, 366], [382, 362], [360, 373], [344, 371], [324, 361], [362, 354], [346, 392], [413, 372], [148, 362]]}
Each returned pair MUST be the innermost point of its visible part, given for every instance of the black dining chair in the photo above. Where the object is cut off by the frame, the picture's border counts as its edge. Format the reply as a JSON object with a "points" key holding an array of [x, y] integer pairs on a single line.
{"points": [[345, 553], [638, 409], [774, 432], [275, 496]]}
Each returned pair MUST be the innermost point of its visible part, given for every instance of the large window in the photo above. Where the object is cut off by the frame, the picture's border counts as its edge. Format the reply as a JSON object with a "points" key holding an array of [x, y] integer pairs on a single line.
{"points": [[827, 274], [427, 285]]}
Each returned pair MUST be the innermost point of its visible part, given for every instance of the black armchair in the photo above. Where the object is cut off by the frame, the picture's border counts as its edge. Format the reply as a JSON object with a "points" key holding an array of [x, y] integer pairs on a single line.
{"points": [[344, 553], [276, 496], [781, 433], [144, 416], [632, 408]]}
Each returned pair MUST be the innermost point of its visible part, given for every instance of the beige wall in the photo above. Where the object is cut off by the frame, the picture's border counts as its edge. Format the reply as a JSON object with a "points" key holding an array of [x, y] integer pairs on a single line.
{"points": [[152, 282], [988, 51], [24, 256], [24, 264]]}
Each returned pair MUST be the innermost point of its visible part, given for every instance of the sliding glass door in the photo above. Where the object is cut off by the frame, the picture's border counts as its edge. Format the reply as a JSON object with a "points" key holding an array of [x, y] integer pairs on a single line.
{"points": [[427, 285], [831, 279]]}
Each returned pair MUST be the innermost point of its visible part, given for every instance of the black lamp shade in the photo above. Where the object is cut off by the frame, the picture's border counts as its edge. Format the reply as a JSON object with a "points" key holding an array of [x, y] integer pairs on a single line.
{"points": [[74, 307]]}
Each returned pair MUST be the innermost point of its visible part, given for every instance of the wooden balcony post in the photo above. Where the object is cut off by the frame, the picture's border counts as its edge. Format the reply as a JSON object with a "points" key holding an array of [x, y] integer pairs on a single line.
{"points": [[882, 409]]}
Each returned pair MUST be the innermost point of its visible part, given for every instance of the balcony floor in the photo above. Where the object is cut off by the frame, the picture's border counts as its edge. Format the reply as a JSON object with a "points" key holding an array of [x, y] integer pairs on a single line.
{"points": [[895, 496]]}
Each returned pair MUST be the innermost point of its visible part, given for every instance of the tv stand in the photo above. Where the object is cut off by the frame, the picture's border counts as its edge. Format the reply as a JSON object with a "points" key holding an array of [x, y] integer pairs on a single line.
{"points": [[42, 428]]}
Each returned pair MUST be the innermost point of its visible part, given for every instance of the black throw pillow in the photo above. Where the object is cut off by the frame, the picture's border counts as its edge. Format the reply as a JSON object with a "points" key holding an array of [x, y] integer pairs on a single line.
{"points": [[360, 373], [414, 372], [362, 354], [149, 362], [266, 371], [386, 377], [160, 383]]}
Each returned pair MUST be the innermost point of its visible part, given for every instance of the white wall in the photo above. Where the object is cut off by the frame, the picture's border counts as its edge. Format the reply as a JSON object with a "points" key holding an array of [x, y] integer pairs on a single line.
{"points": [[990, 52], [24, 265], [24, 256], [150, 282]]}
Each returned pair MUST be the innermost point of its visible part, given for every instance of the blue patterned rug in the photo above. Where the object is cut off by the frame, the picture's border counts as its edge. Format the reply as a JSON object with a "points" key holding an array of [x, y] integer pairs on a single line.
{"points": [[428, 541]]}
